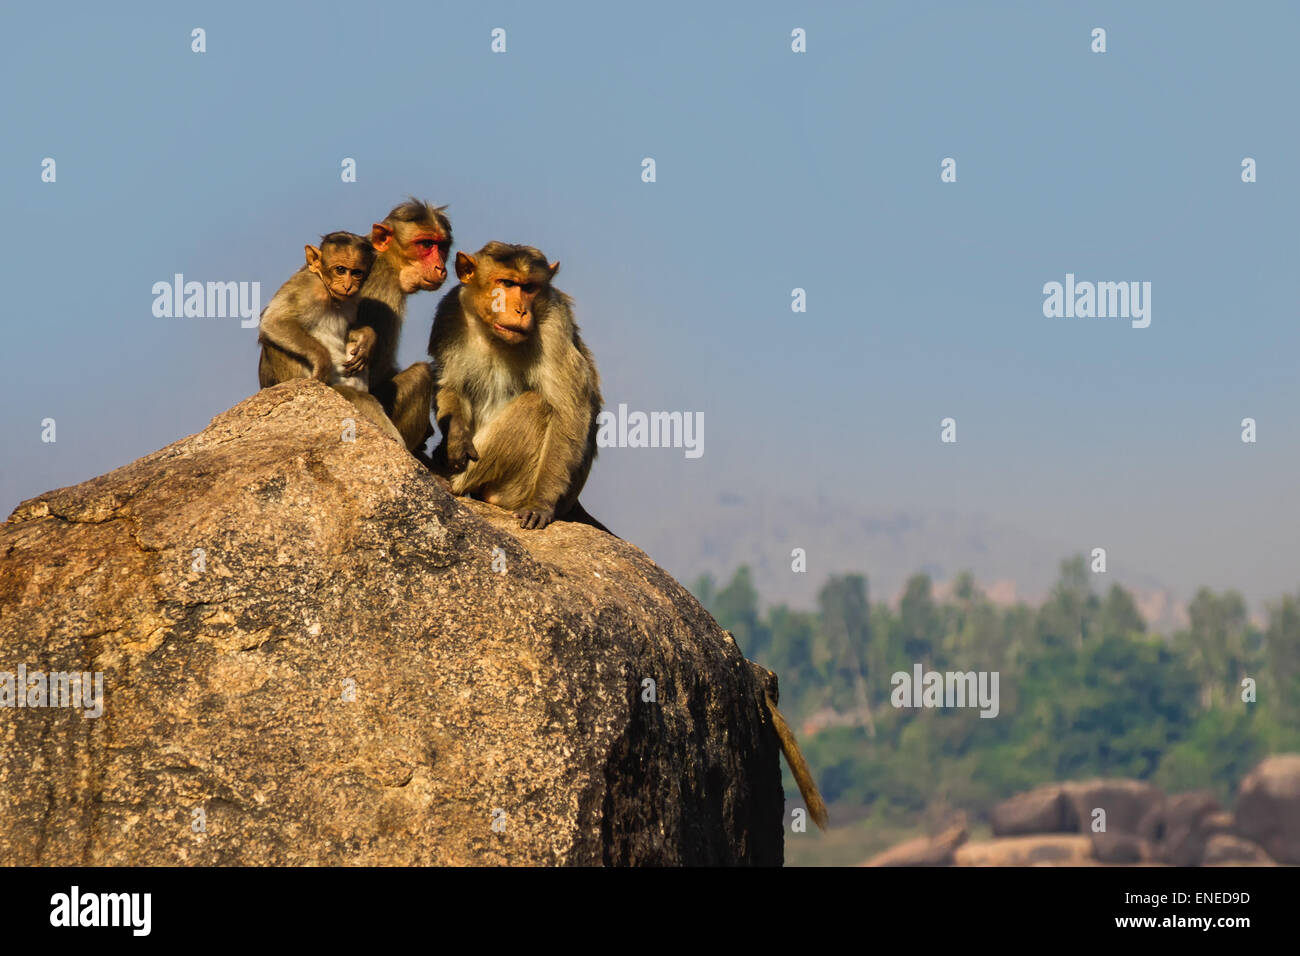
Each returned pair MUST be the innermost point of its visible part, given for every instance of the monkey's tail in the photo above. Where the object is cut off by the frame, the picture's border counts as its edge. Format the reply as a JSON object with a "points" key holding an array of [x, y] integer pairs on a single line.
{"points": [[798, 766]]}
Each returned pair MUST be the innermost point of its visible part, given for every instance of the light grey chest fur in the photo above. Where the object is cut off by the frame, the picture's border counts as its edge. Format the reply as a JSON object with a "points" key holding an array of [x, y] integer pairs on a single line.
{"points": [[331, 330], [492, 385]]}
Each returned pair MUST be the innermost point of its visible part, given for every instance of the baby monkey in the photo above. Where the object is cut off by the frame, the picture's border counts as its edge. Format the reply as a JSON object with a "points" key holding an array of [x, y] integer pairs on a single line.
{"points": [[309, 330]]}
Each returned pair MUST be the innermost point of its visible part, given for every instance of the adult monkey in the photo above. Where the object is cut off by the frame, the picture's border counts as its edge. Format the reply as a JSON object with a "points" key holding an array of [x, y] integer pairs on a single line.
{"points": [[517, 390], [412, 244]]}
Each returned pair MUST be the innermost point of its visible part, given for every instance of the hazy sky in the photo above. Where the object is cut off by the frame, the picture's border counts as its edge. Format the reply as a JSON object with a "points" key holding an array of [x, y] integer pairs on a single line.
{"points": [[775, 170]]}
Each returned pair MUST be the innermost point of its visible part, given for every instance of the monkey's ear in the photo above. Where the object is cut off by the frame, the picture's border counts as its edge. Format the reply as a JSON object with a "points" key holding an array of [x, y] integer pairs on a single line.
{"points": [[313, 256], [380, 236], [465, 266], [555, 267]]}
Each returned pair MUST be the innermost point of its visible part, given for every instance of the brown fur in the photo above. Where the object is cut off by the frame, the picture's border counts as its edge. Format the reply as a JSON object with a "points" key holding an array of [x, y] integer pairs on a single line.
{"points": [[309, 328], [517, 390], [798, 766], [403, 268]]}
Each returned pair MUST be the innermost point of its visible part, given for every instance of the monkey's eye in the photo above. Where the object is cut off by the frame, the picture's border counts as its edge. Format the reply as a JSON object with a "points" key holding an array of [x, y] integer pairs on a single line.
{"points": [[530, 288], [424, 243], [508, 283], [340, 270], [358, 273]]}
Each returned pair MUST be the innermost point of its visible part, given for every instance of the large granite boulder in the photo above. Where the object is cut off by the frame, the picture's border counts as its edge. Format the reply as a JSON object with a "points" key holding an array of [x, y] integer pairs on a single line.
{"points": [[312, 654]]}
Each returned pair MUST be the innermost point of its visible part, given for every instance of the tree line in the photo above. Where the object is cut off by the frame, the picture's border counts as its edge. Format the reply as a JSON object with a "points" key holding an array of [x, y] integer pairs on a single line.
{"points": [[1086, 690]]}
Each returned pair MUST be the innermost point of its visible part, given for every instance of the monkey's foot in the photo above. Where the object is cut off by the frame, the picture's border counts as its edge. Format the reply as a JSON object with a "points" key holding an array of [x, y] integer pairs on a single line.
{"points": [[535, 519]]}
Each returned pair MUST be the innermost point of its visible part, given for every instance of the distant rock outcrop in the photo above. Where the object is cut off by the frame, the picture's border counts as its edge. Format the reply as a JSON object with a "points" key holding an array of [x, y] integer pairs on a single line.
{"points": [[1268, 807], [938, 850], [1069, 807], [1041, 810], [1181, 825], [312, 654], [1117, 846], [1226, 849], [1057, 849], [1124, 803], [1052, 825]]}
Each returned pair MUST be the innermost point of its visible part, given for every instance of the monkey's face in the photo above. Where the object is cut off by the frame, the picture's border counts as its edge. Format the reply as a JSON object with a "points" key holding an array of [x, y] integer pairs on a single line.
{"points": [[504, 300], [424, 249], [343, 271]]}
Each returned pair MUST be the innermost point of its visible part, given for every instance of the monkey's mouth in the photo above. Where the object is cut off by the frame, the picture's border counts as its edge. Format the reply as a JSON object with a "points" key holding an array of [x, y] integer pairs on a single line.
{"points": [[509, 334]]}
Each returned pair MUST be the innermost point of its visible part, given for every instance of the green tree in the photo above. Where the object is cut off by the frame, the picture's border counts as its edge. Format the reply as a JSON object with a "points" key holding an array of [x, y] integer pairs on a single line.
{"points": [[790, 656], [1215, 643], [846, 629], [1119, 616], [1064, 621], [736, 609], [919, 627], [1280, 667], [1111, 709], [704, 589]]}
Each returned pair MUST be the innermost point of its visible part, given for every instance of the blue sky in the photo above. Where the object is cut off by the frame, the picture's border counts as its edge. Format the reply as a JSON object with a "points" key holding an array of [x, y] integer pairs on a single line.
{"points": [[775, 170]]}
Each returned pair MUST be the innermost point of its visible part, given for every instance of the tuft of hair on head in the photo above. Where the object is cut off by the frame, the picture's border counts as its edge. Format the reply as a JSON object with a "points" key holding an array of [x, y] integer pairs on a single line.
{"points": [[347, 240], [525, 259], [416, 210]]}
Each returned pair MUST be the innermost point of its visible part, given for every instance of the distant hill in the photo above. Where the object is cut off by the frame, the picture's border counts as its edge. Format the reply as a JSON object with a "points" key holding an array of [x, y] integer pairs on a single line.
{"points": [[1008, 563]]}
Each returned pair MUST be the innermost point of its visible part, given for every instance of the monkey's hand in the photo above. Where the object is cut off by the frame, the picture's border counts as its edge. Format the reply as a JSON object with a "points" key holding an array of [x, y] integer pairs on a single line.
{"points": [[361, 343], [534, 518], [460, 447]]}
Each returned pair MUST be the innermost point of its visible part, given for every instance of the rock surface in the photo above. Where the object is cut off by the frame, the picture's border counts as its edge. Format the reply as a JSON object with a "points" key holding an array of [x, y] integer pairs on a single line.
{"points": [[1268, 807], [1068, 807], [1180, 825], [1115, 846], [1125, 801], [1041, 810], [1223, 849], [1047, 850], [1052, 825], [937, 850], [235, 586]]}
